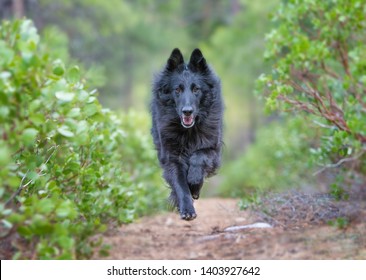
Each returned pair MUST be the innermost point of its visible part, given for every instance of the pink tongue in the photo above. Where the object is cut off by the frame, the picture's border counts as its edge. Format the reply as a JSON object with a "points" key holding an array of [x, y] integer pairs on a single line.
{"points": [[187, 120]]}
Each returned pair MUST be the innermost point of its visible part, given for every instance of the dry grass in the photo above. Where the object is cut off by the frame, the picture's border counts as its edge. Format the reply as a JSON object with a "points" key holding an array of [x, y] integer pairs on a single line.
{"points": [[296, 209]]}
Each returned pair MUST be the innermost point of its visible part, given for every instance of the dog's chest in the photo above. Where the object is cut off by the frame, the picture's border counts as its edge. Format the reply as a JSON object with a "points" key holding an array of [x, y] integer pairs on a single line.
{"points": [[185, 143]]}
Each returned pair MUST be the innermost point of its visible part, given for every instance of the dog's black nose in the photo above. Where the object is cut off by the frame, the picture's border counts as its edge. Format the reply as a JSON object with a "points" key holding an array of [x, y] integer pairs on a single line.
{"points": [[187, 110]]}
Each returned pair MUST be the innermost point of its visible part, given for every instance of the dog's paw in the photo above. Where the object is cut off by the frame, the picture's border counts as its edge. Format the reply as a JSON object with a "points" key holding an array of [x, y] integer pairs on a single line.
{"points": [[195, 191], [187, 211], [188, 215]]}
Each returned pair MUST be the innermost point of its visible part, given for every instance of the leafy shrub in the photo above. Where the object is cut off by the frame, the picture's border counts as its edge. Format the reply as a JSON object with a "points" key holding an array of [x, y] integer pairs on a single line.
{"points": [[278, 159], [68, 167], [318, 50]]}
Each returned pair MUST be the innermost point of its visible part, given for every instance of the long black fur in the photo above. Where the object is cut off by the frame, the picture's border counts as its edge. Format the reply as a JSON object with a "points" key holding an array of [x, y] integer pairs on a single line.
{"points": [[182, 92]]}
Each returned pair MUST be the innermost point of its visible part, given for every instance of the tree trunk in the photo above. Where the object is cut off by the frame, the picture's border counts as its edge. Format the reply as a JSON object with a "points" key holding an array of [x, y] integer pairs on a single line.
{"points": [[18, 8]]}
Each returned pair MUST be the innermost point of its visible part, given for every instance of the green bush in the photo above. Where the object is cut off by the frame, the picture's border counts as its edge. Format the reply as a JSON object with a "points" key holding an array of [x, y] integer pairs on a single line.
{"points": [[68, 167], [318, 50], [278, 159]]}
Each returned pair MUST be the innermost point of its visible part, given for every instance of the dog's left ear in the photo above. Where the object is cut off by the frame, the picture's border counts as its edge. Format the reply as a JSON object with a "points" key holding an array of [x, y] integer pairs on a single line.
{"points": [[175, 59], [197, 62]]}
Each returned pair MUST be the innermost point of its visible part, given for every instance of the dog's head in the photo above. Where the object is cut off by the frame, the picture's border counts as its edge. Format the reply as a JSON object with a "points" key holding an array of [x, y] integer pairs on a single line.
{"points": [[187, 86]]}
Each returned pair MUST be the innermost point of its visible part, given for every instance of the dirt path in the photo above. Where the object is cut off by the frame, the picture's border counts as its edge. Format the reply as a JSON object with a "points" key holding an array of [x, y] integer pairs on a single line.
{"points": [[166, 236]]}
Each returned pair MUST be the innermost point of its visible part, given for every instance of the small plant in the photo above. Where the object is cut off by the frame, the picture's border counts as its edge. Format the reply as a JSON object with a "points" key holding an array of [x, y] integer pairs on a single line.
{"points": [[68, 167], [338, 192], [339, 223], [248, 201], [318, 54]]}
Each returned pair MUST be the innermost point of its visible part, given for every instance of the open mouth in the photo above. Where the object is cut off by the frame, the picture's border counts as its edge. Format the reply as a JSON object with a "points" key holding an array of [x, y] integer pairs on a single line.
{"points": [[187, 121]]}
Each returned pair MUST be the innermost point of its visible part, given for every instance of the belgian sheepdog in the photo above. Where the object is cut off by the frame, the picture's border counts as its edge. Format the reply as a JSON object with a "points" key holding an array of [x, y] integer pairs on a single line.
{"points": [[187, 111]]}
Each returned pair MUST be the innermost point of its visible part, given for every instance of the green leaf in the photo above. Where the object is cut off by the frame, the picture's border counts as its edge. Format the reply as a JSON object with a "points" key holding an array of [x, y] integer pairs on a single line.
{"points": [[73, 75], [58, 68], [24, 231], [28, 32], [35, 105], [37, 119], [65, 210], [74, 112], [91, 109], [29, 136], [6, 54], [33, 175], [45, 206], [65, 131], [65, 96], [16, 218], [4, 112], [7, 224], [5, 75], [66, 242], [4, 156]]}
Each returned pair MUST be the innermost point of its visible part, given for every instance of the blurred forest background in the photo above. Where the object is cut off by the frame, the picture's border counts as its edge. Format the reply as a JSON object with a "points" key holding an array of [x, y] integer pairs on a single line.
{"points": [[121, 44], [70, 167]]}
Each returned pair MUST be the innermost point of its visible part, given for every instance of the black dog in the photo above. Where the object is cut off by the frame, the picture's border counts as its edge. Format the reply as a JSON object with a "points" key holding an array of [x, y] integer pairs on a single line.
{"points": [[187, 112]]}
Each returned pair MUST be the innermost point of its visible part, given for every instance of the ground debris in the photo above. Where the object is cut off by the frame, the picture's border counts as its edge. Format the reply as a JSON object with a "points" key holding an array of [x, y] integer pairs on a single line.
{"points": [[299, 221], [255, 225], [295, 209]]}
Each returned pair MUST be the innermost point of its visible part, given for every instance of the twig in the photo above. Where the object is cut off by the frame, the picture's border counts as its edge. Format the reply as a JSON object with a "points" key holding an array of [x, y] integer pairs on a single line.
{"points": [[342, 49], [343, 160], [54, 149], [329, 71], [9, 233], [323, 125], [18, 190], [21, 186]]}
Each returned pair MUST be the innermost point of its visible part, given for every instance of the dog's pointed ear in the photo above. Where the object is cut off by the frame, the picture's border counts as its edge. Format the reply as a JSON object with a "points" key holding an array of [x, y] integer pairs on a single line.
{"points": [[197, 62], [175, 59]]}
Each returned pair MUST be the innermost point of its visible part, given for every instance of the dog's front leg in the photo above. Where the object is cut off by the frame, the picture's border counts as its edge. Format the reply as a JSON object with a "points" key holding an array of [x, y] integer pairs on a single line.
{"points": [[202, 163], [175, 175]]}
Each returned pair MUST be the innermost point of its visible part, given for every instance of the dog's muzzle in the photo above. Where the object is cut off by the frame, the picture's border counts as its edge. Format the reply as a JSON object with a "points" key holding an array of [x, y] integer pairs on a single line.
{"points": [[187, 117]]}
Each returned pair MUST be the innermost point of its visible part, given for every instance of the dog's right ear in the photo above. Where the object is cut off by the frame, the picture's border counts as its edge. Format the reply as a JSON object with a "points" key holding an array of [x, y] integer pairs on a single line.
{"points": [[197, 62], [175, 59]]}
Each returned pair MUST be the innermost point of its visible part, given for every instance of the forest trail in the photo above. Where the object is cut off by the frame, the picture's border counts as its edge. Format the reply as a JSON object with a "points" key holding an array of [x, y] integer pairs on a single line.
{"points": [[166, 236]]}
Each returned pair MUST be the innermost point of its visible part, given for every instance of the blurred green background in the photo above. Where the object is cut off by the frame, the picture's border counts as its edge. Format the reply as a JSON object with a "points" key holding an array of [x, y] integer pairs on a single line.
{"points": [[72, 165], [121, 44]]}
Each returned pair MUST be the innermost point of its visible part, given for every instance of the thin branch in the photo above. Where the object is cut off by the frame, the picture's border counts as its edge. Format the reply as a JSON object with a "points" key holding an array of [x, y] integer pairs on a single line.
{"points": [[297, 104], [344, 57], [18, 190], [9, 233], [54, 150], [323, 125], [21, 186], [330, 72], [343, 160]]}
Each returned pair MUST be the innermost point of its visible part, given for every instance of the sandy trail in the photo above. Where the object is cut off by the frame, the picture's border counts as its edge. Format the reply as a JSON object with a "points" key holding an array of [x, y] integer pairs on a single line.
{"points": [[166, 236]]}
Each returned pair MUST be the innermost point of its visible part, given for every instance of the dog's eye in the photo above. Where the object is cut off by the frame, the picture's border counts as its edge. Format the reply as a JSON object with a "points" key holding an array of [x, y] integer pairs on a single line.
{"points": [[178, 90], [195, 89]]}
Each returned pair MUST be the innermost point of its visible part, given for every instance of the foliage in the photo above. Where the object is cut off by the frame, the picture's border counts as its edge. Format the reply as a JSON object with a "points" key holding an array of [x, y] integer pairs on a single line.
{"points": [[235, 50], [249, 201], [278, 159], [340, 222], [318, 50], [123, 43], [125, 40], [337, 192], [68, 167]]}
